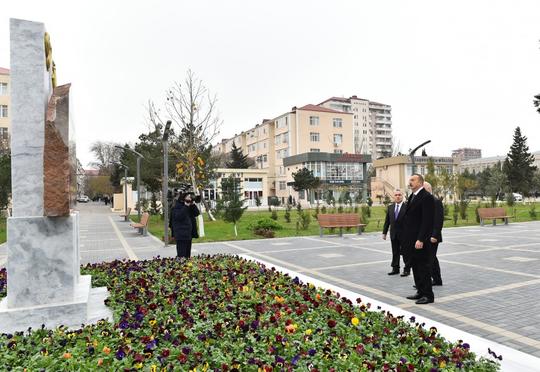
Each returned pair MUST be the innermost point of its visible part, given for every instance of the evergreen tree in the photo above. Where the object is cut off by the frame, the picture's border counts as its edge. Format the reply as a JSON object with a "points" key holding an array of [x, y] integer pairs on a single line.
{"points": [[537, 102], [431, 177], [304, 180], [238, 159], [231, 204], [518, 165]]}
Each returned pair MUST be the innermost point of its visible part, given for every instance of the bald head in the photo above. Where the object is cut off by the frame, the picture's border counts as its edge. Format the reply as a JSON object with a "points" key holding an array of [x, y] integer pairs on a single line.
{"points": [[428, 187]]}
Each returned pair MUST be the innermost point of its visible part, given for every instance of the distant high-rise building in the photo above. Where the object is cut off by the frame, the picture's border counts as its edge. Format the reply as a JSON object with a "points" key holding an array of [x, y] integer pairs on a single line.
{"points": [[4, 106], [466, 153], [372, 124]]}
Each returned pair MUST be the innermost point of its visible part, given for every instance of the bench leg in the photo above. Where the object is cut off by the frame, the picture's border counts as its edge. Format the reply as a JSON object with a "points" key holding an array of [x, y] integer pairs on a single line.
{"points": [[341, 231], [126, 218], [140, 230], [359, 230], [506, 221], [481, 222], [145, 231], [321, 231], [494, 222]]}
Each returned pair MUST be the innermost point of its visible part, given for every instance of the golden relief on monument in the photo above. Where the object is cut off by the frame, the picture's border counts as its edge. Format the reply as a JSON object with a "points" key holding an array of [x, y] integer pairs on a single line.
{"points": [[49, 63]]}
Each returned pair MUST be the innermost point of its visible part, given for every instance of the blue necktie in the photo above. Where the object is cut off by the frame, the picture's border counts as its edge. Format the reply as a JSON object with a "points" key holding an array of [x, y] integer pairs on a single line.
{"points": [[396, 212]]}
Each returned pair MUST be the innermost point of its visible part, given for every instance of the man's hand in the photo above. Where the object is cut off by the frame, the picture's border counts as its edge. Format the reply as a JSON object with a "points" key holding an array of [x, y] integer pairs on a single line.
{"points": [[433, 240], [384, 236], [419, 244]]}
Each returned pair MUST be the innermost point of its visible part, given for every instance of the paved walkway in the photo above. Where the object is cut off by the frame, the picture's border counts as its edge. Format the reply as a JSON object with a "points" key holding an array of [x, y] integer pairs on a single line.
{"points": [[491, 274]]}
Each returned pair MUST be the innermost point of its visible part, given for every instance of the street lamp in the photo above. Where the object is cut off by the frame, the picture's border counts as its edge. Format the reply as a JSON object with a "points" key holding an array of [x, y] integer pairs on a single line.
{"points": [[139, 157], [411, 154], [164, 202], [126, 168]]}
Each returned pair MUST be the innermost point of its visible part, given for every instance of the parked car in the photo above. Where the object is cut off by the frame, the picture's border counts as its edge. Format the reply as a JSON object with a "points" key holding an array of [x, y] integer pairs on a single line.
{"points": [[83, 199], [518, 197]]}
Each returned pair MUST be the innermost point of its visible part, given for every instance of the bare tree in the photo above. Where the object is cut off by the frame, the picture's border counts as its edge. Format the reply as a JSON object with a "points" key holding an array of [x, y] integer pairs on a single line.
{"points": [[106, 155], [192, 109]]}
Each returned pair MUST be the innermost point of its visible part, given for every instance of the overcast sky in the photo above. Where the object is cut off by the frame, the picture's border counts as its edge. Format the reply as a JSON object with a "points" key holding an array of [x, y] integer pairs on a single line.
{"points": [[461, 73]]}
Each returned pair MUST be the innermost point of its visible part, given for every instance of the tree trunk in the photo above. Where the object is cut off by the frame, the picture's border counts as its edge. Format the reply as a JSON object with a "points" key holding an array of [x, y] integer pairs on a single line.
{"points": [[235, 230]]}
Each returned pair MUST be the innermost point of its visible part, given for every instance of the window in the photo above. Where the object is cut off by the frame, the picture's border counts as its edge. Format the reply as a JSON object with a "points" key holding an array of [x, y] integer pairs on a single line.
{"points": [[313, 120], [314, 137], [3, 133], [3, 89], [338, 123], [265, 158], [282, 185], [338, 151], [3, 111], [338, 139], [314, 150], [281, 170]]}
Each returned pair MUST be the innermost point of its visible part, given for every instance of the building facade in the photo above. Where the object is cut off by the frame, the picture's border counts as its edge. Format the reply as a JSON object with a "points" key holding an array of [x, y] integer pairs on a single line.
{"points": [[253, 184], [4, 107], [480, 164], [466, 153], [311, 129], [372, 124], [394, 173]]}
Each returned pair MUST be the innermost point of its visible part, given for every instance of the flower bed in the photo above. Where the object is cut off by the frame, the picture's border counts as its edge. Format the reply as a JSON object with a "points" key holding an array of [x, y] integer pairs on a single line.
{"points": [[224, 313]]}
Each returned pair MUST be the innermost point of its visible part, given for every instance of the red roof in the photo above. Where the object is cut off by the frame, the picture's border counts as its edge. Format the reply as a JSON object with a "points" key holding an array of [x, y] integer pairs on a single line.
{"points": [[4, 71], [321, 109]]}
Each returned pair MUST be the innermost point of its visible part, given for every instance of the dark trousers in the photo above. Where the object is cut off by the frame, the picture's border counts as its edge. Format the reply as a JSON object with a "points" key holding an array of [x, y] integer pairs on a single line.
{"points": [[435, 268], [421, 267], [406, 252], [396, 247], [183, 248]]}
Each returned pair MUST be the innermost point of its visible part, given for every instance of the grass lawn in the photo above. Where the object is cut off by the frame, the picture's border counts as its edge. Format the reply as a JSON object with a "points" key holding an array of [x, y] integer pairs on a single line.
{"points": [[2, 230], [221, 231]]}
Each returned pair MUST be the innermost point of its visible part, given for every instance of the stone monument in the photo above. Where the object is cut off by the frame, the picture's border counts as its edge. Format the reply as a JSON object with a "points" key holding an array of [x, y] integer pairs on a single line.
{"points": [[43, 266]]}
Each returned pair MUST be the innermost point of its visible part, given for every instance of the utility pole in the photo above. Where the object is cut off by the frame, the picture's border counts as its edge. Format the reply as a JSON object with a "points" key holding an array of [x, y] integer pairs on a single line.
{"points": [[139, 157], [165, 191]]}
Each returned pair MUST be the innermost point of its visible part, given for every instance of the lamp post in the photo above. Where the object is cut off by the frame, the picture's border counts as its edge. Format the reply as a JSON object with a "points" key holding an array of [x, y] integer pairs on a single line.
{"points": [[126, 168], [411, 154], [139, 157], [165, 191]]}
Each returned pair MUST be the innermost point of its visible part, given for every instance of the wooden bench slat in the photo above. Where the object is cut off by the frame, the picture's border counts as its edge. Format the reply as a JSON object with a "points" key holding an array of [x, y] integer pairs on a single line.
{"points": [[339, 221]]}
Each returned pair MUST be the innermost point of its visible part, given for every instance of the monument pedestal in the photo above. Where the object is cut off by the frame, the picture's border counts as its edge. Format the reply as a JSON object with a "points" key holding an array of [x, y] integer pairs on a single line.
{"points": [[44, 281]]}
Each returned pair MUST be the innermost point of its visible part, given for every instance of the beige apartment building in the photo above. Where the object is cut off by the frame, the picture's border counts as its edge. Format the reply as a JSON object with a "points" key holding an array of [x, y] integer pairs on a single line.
{"points": [[372, 124], [394, 172], [4, 106], [307, 129]]}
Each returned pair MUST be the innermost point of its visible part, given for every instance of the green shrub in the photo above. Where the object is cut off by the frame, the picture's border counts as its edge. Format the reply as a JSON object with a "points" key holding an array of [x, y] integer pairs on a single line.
{"points": [[463, 205], [265, 223], [304, 219], [288, 213], [274, 215], [267, 233], [323, 209], [532, 212], [340, 209], [455, 214]]}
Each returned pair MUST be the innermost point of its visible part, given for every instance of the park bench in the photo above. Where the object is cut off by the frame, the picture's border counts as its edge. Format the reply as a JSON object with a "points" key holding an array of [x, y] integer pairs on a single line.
{"points": [[340, 220], [126, 215], [143, 225], [493, 214]]}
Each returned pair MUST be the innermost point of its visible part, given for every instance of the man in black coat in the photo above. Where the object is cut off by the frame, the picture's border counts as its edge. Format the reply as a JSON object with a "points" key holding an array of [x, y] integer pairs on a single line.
{"points": [[436, 237], [182, 226], [393, 221], [417, 230]]}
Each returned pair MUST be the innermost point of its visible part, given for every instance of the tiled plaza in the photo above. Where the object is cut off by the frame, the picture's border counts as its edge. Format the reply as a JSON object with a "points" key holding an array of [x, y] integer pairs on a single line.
{"points": [[491, 274]]}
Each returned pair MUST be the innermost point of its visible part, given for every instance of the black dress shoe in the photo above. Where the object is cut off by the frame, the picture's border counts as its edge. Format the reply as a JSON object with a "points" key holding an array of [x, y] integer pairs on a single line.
{"points": [[414, 297], [393, 272], [438, 283], [424, 300], [405, 273]]}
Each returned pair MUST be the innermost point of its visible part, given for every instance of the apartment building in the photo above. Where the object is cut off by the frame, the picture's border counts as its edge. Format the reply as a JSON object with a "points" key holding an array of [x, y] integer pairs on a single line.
{"points": [[466, 153], [372, 124], [307, 129], [4, 106], [480, 164]]}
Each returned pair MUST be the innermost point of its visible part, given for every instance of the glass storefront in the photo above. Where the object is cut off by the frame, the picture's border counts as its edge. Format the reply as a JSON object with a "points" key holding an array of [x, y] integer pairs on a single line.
{"points": [[336, 172]]}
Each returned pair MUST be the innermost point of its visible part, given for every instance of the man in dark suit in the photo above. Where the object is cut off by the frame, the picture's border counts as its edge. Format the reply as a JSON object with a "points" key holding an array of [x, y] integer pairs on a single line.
{"points": [[436, 237], [393, 220], [417, 230]]}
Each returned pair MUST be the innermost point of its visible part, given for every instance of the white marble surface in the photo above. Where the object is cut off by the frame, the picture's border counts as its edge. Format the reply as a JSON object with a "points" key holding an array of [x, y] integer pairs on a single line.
{"points": [[87, 307], [43, 260], [30, 91]]}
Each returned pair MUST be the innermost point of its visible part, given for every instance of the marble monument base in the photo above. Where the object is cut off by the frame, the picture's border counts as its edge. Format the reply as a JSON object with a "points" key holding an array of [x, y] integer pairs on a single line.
{"points": [[44, 285], [87, 307]]}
